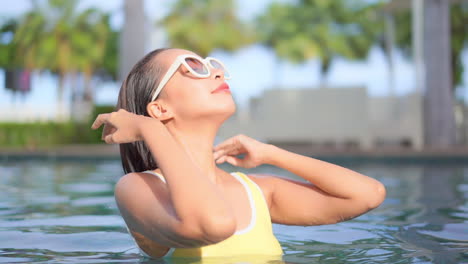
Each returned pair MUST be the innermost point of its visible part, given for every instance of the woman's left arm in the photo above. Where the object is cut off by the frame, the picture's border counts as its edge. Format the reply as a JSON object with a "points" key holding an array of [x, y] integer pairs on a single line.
{"points": [[332, 194]]}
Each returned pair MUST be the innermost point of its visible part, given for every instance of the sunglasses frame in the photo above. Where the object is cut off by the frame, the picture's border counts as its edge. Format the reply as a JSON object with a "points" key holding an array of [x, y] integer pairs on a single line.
{"points": [[181, 60]]}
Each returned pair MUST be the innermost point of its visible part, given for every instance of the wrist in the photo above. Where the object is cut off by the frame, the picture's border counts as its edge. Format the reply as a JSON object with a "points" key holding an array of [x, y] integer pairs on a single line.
{"points": [[146, 125], [270, 152]]}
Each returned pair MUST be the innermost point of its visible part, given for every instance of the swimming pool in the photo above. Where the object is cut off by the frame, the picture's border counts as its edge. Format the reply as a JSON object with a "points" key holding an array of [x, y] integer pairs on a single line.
{"points": [[64, 212]]}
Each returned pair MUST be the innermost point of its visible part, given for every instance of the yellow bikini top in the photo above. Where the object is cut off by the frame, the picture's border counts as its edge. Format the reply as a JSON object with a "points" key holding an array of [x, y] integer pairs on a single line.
{"points": [[257, 239]]}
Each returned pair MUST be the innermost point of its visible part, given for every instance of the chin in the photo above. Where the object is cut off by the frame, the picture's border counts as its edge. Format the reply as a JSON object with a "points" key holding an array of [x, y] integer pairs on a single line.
{"points": [[224, 109], [232, 110]]}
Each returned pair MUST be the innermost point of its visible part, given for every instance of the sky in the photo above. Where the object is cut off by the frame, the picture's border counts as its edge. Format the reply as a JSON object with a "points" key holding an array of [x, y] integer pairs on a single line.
{"points": [[254, 68]]}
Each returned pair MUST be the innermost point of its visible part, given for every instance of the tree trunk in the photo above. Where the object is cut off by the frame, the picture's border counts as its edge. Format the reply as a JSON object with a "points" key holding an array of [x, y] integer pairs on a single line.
{"points": [[389, 52], [439, 121], [134, 36], [88, 102], [60, 99], [325, 66], [82, 106], [88, 89]]}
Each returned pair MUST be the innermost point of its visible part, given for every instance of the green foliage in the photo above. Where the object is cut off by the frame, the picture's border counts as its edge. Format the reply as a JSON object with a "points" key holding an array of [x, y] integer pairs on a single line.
{"points": [[321, 29], [205, 25], [44, 134], [110, 62], [7, 49], [55, 36]]}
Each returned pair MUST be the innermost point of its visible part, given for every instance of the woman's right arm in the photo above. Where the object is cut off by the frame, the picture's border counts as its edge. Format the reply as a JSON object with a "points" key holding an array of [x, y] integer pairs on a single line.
{"points": [[189, 210]]}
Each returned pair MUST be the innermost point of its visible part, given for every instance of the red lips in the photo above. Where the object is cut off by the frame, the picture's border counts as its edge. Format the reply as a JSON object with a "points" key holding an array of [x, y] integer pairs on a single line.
{"points": [[223, 87]]}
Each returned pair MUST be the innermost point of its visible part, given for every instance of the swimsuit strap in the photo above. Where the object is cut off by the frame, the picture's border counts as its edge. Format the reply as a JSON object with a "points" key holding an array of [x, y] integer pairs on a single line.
{"points": [[155, 173], [252, 203]]}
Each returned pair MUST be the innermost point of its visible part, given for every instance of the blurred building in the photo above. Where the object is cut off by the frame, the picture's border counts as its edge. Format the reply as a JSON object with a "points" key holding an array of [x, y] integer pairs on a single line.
{"points": [[336, 118], [396, 121], [21, 112]]}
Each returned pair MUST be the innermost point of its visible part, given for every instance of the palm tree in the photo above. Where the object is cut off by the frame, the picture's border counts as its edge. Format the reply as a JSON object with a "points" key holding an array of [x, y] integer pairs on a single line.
{"points": [[56, 37], [320, 29], [205, 25], [29, 39], [90, 46]]}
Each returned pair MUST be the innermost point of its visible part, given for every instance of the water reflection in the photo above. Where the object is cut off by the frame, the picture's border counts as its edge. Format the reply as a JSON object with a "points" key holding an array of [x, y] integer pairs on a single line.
{"points": [[56, 212], [438, 193]]}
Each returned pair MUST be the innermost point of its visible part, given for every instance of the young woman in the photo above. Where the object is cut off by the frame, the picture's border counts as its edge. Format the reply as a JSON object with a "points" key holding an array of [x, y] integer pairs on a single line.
{"points": [[174, 198]]}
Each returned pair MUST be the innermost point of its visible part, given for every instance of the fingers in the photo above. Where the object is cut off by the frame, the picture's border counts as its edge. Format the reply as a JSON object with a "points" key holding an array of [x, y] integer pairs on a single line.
{"points": [[228, 142], [231, 146], [221, 160], [100, 119], [230, 150], [108, 129], [233, 161], [109, 139], [115, 138], [226, 158]]}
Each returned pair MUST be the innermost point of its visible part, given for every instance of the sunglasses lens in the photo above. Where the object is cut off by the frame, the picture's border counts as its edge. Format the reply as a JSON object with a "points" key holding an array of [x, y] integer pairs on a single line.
{"points": [[217, 65], [197, 66]]}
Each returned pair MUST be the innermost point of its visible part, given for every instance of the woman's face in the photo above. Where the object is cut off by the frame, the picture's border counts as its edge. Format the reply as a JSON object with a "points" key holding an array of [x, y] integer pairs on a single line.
{"points": [[191, 97]]}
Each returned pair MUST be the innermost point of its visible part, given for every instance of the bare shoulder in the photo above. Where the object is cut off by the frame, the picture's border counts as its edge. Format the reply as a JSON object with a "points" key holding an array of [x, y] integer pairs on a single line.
{"points": [[136, 187], [136, 180]]}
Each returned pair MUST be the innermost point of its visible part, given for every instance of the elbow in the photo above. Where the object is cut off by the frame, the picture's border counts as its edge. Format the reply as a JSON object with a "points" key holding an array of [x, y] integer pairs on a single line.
{"points": [[210, 231], [217, 229], [377, 196]]}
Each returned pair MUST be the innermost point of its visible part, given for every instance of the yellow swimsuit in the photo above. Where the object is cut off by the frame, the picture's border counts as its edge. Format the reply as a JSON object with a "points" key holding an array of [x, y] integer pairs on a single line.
{"points": [[256, 239]]}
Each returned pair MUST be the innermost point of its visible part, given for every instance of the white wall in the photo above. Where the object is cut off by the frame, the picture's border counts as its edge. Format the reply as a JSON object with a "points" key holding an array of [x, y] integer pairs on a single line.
{"points": [[333, 116]]}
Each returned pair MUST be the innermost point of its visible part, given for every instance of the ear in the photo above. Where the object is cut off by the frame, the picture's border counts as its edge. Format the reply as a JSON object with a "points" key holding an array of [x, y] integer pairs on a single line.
{"points": [[159, 110]]}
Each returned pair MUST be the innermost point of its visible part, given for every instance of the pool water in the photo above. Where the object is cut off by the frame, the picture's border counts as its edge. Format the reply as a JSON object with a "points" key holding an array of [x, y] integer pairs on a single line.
{"points": [[64, 212]]}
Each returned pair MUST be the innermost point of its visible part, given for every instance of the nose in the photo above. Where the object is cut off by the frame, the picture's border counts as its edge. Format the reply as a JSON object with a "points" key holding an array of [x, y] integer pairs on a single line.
{"points": [[217, 73]]}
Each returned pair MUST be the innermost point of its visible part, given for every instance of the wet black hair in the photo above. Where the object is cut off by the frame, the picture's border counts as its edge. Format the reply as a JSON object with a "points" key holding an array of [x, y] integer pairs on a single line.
{"points": [[135, 94]]}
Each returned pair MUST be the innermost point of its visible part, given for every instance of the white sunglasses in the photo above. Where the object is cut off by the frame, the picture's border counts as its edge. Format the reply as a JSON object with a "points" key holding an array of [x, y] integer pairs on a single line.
{"points": [[197, 66]]}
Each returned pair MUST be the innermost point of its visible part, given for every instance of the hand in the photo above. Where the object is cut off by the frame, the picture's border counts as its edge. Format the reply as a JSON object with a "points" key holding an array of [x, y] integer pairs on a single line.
{"points": [[121, 126], [255, 151]]}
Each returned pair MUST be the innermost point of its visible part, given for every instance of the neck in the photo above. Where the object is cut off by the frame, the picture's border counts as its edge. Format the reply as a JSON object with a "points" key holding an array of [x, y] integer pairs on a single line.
{"points": [[197, 140]]}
